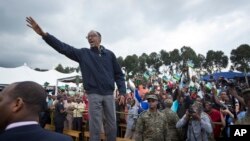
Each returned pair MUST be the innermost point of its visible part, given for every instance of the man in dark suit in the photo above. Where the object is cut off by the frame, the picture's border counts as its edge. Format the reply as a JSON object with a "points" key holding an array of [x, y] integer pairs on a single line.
{"points": [[20, 105]]}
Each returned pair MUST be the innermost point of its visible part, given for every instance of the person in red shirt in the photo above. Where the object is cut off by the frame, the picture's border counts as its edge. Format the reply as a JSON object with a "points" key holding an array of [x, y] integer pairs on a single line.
{"points": [[86, 102], [216, 117]]}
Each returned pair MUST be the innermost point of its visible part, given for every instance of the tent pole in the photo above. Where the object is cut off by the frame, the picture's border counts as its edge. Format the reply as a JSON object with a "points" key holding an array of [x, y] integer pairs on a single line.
{"points": [[56, 87]]}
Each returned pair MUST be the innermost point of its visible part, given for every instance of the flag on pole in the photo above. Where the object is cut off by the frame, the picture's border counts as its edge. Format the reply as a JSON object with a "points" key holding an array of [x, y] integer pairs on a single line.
{"points": [[190, 63], [165, 78], [146, 75], [177, 77]]}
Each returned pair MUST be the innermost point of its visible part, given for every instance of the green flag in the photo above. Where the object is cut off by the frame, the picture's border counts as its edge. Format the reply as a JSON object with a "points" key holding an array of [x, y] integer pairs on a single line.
{"points": [[146, 75], [177, 77]]}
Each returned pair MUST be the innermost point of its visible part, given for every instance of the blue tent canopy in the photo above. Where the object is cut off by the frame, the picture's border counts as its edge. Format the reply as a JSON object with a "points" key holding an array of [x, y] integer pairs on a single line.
{"points": [[228, 75]]}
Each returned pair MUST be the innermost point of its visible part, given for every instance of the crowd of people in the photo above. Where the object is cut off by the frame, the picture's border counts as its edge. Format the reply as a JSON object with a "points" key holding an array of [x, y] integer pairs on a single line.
{"points": [[65, 111], [196, 111]]}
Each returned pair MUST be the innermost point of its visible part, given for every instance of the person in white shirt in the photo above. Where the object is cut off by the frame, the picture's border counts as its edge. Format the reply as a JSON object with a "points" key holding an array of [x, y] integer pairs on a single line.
{"points": [[132, 116], [77, 114], [69, 107]]}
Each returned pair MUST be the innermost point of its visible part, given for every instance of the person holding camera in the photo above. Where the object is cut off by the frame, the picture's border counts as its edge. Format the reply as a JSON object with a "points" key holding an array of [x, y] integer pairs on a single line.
{"points": [[198, 122], [229, 119]]}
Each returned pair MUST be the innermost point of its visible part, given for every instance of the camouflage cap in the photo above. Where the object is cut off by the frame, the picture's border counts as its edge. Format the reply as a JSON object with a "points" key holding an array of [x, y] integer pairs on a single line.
{"points": [[152, 96], [168, 102]]}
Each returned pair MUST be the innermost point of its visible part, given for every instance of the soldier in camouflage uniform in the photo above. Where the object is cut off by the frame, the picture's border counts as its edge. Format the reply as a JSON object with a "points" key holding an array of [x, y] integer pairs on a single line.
{"points": [[151, 124], [246, 97], [174, 134]]}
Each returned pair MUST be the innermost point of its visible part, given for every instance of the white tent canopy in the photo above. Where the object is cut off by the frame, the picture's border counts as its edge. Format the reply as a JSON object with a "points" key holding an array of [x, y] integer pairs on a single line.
{"points": [[25, 73]]}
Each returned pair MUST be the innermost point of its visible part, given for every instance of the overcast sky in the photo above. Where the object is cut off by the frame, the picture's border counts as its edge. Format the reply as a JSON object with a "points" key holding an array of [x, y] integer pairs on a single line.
{"points": [[127, 26]]}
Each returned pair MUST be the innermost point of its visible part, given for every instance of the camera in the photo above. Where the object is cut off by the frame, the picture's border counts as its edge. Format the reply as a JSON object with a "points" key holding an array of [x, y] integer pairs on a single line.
{"points": [[191, 110], [225, 81], [225, 106], [230, 83]]}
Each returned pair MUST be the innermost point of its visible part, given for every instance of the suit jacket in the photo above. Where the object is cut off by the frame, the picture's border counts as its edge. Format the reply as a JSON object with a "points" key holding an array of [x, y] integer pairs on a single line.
{"points": [[32, 133]]}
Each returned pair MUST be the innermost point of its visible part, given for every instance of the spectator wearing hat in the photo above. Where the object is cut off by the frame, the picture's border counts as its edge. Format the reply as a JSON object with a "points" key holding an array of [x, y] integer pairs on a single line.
{"points": [[151, 124], [20, 104], [174, 134]]}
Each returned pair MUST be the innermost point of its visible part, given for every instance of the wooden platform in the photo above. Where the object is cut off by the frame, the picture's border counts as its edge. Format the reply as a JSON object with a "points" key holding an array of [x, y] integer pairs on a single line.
{"points": [[72, 133], [87, 135]]}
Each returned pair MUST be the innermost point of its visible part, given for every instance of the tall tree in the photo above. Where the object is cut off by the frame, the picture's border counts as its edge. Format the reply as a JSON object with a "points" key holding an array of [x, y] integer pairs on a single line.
{"points": [[142, 63], [176, 59], [131, 64], [69, 69], [154, 60], [187, 53], [60, 68], [120, 61], [201, 60], [165, 57], [240, 57], [175, 56], [215, 60]]}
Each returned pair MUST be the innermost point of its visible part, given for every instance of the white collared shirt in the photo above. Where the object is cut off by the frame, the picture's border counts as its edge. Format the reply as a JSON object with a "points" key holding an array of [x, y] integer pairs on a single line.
{"points": [[21, 123]]}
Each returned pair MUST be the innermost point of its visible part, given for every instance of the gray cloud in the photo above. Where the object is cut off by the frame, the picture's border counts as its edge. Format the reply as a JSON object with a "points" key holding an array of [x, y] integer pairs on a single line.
{"points": [[128, 27]]}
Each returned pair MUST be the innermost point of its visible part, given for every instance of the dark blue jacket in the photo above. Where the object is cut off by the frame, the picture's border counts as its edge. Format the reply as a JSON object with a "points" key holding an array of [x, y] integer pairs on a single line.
{"points": [[100, 69], [32, 133]]}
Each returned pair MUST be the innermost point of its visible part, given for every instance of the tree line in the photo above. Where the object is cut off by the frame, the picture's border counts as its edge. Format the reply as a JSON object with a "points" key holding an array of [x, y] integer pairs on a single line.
{"points": [[213, 61]]}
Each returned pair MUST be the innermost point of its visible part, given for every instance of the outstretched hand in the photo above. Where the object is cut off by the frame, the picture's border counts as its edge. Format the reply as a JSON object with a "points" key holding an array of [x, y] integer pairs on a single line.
{"points": [[32, 24]]}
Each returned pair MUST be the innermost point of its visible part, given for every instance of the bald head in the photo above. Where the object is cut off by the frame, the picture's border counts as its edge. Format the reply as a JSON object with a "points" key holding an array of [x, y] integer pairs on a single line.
{"points": [[95, 32], [31, 93], [21, 101], [94, 38]]}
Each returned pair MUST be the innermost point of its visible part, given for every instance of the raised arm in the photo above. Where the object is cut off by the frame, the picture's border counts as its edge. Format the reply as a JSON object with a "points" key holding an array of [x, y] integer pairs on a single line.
{"points": [[59, 46], [32, 24]]}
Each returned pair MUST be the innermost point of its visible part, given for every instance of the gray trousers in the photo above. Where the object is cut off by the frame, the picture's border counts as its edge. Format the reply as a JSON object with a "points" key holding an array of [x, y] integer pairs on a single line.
{"points": [[102, 106]]}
